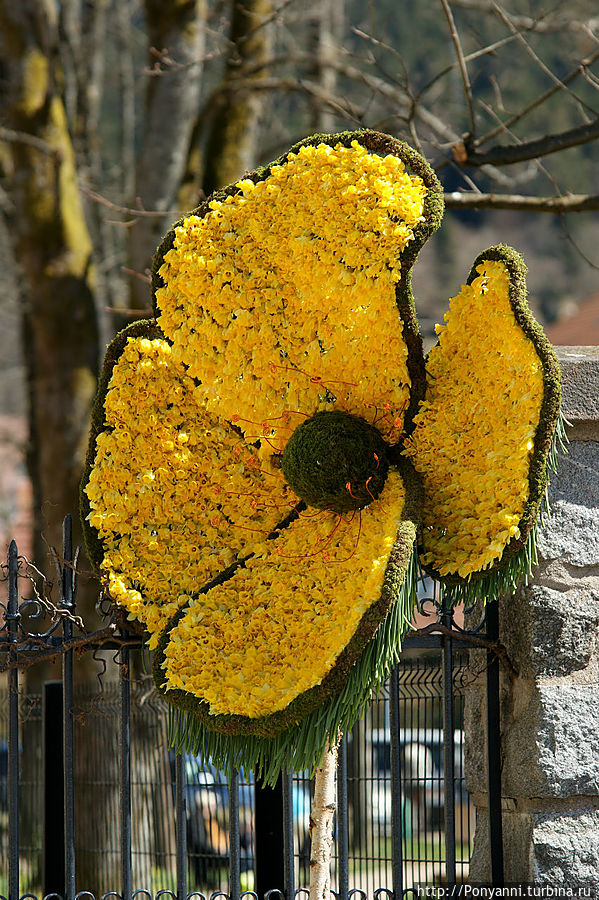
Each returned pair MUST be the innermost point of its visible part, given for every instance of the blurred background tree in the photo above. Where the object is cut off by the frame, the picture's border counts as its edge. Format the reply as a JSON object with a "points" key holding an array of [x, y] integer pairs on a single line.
{"points": [[118, 115]]}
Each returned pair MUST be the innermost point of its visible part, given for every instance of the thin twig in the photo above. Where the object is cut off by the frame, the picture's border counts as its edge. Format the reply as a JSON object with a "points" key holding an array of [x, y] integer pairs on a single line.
{"points": [[139, 211], [484, 51], [558, 82], [538, 101], [22, 137], [462, 65], [545, 24], [141, 276]]}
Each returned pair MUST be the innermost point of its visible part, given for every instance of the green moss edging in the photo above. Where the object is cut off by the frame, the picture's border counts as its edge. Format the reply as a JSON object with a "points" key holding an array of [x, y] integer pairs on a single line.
{"points": [[143, 328]]}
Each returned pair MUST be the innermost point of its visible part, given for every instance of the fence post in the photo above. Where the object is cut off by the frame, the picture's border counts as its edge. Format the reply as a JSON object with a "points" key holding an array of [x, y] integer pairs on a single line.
{"points": [[53, 842], [397, 817], [448, 747], [13, 617], [289, 873], [125, 774], [68, 604], [181, 825], [234, 838], [269, 837], [342, 822], [494, 751]]}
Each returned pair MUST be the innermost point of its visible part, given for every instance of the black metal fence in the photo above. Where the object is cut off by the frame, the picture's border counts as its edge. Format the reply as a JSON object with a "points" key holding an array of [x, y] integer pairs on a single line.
{"points": [[93, 803]]}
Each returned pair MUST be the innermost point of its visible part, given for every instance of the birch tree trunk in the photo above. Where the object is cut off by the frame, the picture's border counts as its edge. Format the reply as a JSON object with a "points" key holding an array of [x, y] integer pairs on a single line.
{"points": [[321, 825], [52, 246]]}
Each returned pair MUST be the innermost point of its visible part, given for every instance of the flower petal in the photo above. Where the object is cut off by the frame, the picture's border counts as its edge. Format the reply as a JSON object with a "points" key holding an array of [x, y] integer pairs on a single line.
{"points": [[172, 495], [271, 643], [485, 428], [278, 293]]}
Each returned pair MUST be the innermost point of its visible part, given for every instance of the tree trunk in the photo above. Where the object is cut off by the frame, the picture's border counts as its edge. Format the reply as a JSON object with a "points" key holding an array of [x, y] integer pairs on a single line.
{"points": [[232, 144], [325, 32], [172, 101], [321, 826], [53, 250]]}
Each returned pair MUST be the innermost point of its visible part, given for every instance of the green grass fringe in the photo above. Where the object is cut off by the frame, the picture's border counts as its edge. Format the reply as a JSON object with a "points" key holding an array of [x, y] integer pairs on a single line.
{"points": [[302, 746], [520, 566]]}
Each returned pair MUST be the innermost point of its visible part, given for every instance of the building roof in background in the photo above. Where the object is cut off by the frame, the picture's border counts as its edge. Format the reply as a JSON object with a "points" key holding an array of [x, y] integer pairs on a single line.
{"points": [[580, 329]]}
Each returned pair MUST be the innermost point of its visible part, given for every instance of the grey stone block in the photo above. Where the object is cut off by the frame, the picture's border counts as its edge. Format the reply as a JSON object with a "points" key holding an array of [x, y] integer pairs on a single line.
{"points": [[518, 862], [566, 850], [573, 532], [557, 849], [580, 382], [550, 741], [551, 631], [564, 629], [475, 756], [567, 738]]}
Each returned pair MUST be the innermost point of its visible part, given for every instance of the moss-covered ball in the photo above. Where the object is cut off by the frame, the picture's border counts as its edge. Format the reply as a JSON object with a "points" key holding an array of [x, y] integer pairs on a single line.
{"points": [[335, 460]]}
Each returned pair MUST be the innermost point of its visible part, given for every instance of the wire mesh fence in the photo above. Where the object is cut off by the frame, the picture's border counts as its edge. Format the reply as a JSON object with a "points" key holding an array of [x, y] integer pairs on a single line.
{"points": [[153, 838], [93, 802]]}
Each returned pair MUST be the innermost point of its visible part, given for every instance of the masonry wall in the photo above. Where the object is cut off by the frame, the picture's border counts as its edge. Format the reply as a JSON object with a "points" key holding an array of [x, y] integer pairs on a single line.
{"points": [[550, 711]]}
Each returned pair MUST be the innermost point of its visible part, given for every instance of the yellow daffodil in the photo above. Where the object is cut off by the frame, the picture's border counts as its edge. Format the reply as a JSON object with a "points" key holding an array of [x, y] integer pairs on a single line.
{"points": [[264, 450]]}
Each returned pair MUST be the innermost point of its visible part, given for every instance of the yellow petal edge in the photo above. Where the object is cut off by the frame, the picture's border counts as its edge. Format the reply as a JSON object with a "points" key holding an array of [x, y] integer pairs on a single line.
{"points": [[173, 494], [475, 430]]}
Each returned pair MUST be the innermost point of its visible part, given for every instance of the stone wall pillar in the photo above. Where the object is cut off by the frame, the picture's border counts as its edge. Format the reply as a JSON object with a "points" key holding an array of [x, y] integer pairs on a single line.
{"points": [[550, 711]]}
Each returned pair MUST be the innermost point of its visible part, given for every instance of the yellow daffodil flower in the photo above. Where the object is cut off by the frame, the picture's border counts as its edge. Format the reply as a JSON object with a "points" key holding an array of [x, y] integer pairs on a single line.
{"points": [[265, 450]]}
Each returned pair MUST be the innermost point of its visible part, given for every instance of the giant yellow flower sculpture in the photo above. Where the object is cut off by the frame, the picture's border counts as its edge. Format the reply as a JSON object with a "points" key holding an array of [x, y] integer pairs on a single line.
{"points": [[266, 450]]}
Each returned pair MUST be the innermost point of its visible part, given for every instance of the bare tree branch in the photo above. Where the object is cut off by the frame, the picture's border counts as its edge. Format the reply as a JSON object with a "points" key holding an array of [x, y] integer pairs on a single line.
{"points": [[21, 137], [558, 205], [542, 98], [484, 51], [461, 63], [558, 82], [137, 211], [551, 143], [547, 24]]}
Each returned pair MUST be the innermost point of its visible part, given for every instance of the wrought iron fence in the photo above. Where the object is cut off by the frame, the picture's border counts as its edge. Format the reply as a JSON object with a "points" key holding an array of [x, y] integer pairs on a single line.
{"points": [[91, 799]]}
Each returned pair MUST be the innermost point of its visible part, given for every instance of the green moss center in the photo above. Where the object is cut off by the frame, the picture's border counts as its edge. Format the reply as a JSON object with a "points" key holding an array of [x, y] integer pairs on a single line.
{"points": [[337, 461]]}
